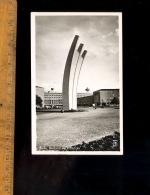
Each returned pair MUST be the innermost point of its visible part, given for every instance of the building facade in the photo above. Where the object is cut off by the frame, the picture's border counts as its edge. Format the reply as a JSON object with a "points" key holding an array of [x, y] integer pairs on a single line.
{"points": [[85, 101], [105, 96], [99, 97], [55, 98], [52, 98]]}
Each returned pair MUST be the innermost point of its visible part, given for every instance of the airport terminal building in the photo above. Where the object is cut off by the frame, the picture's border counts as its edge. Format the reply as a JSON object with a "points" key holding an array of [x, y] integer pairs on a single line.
{"points": [[99, 97], [105, 96], [51, 98], [55, 98]]}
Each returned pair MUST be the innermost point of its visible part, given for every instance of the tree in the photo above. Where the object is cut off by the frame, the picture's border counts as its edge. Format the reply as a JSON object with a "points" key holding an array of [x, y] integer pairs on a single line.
{"points": [[39, 100], [115, 100]]}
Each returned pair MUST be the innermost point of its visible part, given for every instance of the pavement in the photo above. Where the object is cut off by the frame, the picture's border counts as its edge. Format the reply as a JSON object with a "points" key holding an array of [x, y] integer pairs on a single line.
{"points": [[71, 128]]}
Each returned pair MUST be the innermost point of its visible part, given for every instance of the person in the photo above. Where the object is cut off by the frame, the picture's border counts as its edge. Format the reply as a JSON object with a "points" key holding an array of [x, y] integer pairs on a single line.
{"points": [[95, 105]]}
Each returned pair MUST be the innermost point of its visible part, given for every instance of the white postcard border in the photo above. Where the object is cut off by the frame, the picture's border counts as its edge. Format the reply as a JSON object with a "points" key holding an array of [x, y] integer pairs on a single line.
{"points": [[33, 81]]}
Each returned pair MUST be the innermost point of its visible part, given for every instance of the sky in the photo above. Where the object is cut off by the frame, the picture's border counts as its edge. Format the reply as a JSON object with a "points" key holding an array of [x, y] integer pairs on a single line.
{"points": [[99, 34]]}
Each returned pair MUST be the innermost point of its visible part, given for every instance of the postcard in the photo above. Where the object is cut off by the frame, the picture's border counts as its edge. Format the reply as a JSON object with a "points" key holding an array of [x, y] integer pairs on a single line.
{"points": [[76, 84]]}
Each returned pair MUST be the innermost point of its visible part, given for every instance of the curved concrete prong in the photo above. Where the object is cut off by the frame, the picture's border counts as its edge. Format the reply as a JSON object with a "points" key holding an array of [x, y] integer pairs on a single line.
{"points": [[76, 79], [71, 75], [67, 99]]}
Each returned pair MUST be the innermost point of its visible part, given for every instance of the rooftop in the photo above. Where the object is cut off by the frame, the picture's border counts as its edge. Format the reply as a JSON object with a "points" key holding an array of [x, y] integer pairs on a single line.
{"points": [[106, 90], [38, 87]]}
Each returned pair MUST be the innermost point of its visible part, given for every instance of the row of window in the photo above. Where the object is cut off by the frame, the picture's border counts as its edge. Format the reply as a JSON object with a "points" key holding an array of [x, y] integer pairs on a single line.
{"points": [[48, 102], [80, 95], [53, 95]]}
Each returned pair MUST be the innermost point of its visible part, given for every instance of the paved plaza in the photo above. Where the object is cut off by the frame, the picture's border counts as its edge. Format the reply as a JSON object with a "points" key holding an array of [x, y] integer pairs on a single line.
{"points": [[71, 128]]}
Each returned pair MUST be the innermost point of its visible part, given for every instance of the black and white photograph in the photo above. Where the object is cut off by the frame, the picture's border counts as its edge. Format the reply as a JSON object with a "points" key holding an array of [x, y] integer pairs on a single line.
{"points": [[76, 83]]}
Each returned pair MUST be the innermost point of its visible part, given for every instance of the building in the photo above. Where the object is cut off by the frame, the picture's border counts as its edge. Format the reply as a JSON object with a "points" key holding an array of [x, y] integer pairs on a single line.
{"points": [[52, 98], [40, 93], [85, 101], [105, 96], [55, 98], [99, 97]]}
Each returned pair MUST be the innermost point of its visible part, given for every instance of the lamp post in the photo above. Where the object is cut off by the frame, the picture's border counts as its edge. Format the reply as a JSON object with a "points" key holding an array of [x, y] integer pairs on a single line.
{"points": [[52, 89], [87, 89]]}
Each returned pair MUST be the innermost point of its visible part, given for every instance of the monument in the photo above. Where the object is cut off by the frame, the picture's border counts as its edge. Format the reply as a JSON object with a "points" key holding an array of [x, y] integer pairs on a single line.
{"points": [[71, 75]]}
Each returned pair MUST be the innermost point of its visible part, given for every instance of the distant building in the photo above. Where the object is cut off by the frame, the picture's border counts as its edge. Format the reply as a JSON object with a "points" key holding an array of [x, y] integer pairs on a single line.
{"points": [[99, 97], [40, 93], [55, 98], [105, 96], [87, 101], [52, 98]]}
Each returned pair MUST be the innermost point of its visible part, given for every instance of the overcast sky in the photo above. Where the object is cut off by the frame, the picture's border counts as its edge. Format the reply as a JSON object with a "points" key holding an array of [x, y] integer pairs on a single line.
{"points": [[99, 34]]}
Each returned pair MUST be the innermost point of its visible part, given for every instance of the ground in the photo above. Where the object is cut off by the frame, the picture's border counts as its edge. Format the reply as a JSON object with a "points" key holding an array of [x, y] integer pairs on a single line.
{"points": [[71, 128]]}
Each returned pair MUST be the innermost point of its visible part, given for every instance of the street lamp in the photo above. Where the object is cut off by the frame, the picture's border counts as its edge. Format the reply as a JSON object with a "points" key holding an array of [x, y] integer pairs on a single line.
{"points": [[87, 89], [53, 100]]}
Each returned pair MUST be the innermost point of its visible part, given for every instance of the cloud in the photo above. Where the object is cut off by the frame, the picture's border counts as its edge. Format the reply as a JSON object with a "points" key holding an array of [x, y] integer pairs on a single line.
{"points": [[54, 35]]}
